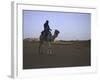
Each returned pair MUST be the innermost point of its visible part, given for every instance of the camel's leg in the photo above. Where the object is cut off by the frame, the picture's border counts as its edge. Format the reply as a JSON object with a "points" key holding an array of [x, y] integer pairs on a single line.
{"points": [[49, 48], [40, 47]]}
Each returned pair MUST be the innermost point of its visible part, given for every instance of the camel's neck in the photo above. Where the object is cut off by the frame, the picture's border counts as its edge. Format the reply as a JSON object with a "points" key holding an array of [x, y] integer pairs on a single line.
{"points": [[54, 36]]}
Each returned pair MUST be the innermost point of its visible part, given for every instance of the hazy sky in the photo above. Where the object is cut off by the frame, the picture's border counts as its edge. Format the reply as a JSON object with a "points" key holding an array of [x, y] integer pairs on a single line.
{"points": [[72, 26]]}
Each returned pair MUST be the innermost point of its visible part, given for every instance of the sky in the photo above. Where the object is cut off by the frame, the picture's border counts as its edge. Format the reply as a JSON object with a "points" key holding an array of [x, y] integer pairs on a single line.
{"points": [[72, 25]]}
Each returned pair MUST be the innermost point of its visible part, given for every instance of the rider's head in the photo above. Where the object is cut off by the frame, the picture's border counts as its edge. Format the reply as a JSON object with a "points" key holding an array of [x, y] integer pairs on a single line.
{"points": [[47, 21]]}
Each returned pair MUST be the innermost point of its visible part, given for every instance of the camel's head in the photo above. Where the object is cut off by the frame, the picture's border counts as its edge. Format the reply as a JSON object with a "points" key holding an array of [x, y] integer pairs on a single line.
{"points": [[57, 32]]}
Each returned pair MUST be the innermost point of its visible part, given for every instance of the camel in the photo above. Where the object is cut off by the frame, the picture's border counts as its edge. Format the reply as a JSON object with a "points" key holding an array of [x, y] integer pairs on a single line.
{"points": [[47, 39]]}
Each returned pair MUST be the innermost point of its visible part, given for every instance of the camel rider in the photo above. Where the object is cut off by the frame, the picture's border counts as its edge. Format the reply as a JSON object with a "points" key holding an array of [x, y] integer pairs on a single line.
{"points": [[46, 28]]}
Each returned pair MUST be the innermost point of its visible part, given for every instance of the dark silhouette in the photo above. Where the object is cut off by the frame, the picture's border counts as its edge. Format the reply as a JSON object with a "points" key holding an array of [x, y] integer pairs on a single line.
{"points": [[46, 26], [46, 29], [47, 37]]}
